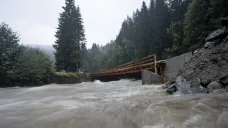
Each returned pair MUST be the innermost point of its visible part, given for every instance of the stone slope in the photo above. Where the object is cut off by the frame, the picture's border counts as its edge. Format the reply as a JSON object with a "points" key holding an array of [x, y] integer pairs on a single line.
{"points": [[208, 66]]}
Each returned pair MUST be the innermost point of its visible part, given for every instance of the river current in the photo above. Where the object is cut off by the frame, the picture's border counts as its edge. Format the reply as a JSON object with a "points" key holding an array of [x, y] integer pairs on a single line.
{"points": [[117, 104]]}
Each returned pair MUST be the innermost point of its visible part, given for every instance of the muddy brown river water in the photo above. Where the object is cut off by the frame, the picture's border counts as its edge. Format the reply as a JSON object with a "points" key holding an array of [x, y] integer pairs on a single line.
{"points": [[118, 104]]}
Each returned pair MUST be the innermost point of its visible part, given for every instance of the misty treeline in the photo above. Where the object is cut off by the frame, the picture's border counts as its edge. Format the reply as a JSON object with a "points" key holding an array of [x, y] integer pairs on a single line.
{"points": [[167, 28]]}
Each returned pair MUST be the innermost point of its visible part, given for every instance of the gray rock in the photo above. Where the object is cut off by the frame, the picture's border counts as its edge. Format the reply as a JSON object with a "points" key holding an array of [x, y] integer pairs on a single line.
{"points": [[199, 89], [214, 86], [168, 84], [226, 88], [204, 81], [197, 50], [220, 33], [171, 89], [182, 85], [224, 80], [208, 44], [219, 91], [165, 86]]}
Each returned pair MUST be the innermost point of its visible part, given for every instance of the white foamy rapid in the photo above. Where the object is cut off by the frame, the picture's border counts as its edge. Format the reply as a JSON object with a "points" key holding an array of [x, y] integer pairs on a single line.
{"points": [[118, 104]]}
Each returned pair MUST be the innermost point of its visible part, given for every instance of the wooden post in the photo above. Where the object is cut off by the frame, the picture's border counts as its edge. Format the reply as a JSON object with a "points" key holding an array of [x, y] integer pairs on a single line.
{"points": [[155, 64]]}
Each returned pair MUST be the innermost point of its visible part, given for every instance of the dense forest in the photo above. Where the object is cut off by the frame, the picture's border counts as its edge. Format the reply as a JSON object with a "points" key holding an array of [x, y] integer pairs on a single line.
{"points": [[165, 27]]}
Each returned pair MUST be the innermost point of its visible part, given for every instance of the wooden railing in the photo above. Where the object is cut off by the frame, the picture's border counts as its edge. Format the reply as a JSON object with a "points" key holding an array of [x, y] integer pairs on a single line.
{"points": [[149, 63]]}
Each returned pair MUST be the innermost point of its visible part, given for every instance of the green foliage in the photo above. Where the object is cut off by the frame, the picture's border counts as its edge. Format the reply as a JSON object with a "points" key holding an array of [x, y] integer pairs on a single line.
{"points": [[66, 74], [35, 68], [10, 51], [196, 24], [9, 48], [176, 29], [70, 37]]}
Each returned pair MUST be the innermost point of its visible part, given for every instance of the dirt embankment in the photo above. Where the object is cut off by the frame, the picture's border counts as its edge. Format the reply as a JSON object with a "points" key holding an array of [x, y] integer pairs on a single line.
{"points": [[207, 71]]}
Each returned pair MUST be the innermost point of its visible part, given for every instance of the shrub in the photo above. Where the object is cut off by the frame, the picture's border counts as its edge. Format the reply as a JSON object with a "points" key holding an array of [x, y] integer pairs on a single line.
{"points": [[66, 74], [35, 68], [66, 78]]}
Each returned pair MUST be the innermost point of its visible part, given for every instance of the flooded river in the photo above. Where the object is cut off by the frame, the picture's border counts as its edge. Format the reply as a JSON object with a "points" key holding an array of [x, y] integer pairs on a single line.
{"points": [[118, 104]]}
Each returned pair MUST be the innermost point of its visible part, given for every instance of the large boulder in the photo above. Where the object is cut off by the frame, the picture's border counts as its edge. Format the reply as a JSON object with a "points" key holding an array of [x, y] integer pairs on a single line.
{"points": [[224, 80], [214, 86], [220, 33], [226, 88], [182, 85]]}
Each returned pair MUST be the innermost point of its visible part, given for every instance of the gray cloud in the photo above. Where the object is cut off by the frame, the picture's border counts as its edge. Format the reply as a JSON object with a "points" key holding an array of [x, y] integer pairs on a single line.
{"points": [[36, 20]]}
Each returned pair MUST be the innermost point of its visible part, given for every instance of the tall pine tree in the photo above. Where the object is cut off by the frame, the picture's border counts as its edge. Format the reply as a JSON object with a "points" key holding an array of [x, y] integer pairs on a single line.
{"points": [[70, 37], [197, 24]]}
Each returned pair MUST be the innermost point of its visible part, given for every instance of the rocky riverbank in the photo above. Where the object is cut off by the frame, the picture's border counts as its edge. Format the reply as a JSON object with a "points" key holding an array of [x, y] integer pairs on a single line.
{"points": [[207, 71]]}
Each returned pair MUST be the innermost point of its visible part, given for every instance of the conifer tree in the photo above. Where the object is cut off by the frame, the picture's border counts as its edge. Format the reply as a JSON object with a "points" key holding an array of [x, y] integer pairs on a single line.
{"points": [[162, 22], [197, 24], [70, 37]]}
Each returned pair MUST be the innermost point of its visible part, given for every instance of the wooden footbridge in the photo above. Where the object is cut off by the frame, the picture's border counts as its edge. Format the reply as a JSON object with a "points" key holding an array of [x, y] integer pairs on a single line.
{"points": [[132, 70]]}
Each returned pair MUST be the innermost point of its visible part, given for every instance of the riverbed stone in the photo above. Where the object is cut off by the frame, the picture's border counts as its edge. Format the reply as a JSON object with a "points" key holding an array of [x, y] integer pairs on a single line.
{"points": [[214, 86]]}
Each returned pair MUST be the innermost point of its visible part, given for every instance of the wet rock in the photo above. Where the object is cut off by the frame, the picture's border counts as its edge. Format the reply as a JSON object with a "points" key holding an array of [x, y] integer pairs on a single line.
{"points": [[220, 33], [182, 85], [168, 84], [165, 86], [224, 80], [204, 81], [199, 89], [208, 45], [196, 51], [226, 88], [171, 89], [214, 86], [219, 91]]}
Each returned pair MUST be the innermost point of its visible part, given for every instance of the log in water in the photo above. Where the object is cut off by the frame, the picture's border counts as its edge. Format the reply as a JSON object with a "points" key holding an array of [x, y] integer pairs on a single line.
{"points": [[118, 104]]}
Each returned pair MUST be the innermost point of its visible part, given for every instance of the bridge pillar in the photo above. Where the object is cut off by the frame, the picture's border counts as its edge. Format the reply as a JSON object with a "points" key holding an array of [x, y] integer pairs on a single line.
{"points": [[150, 78]]}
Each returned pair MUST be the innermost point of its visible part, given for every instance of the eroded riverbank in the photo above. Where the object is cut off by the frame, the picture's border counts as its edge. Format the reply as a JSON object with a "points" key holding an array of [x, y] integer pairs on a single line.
{"points": [[118, 104]]}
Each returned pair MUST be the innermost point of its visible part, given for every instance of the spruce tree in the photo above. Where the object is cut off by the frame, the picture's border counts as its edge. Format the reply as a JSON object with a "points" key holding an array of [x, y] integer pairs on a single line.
{"points": [[70, 36], [152, 26], [197, 24], [10, 50], [178, 8], [162, 22]]}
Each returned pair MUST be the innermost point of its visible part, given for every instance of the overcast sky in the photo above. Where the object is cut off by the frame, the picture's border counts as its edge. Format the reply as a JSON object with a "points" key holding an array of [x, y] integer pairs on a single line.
{"points": [[36, 20]]}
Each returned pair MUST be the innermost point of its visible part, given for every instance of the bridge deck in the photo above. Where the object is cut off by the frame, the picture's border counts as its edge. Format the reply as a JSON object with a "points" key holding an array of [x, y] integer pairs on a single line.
{"points": [[133, 68]]}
